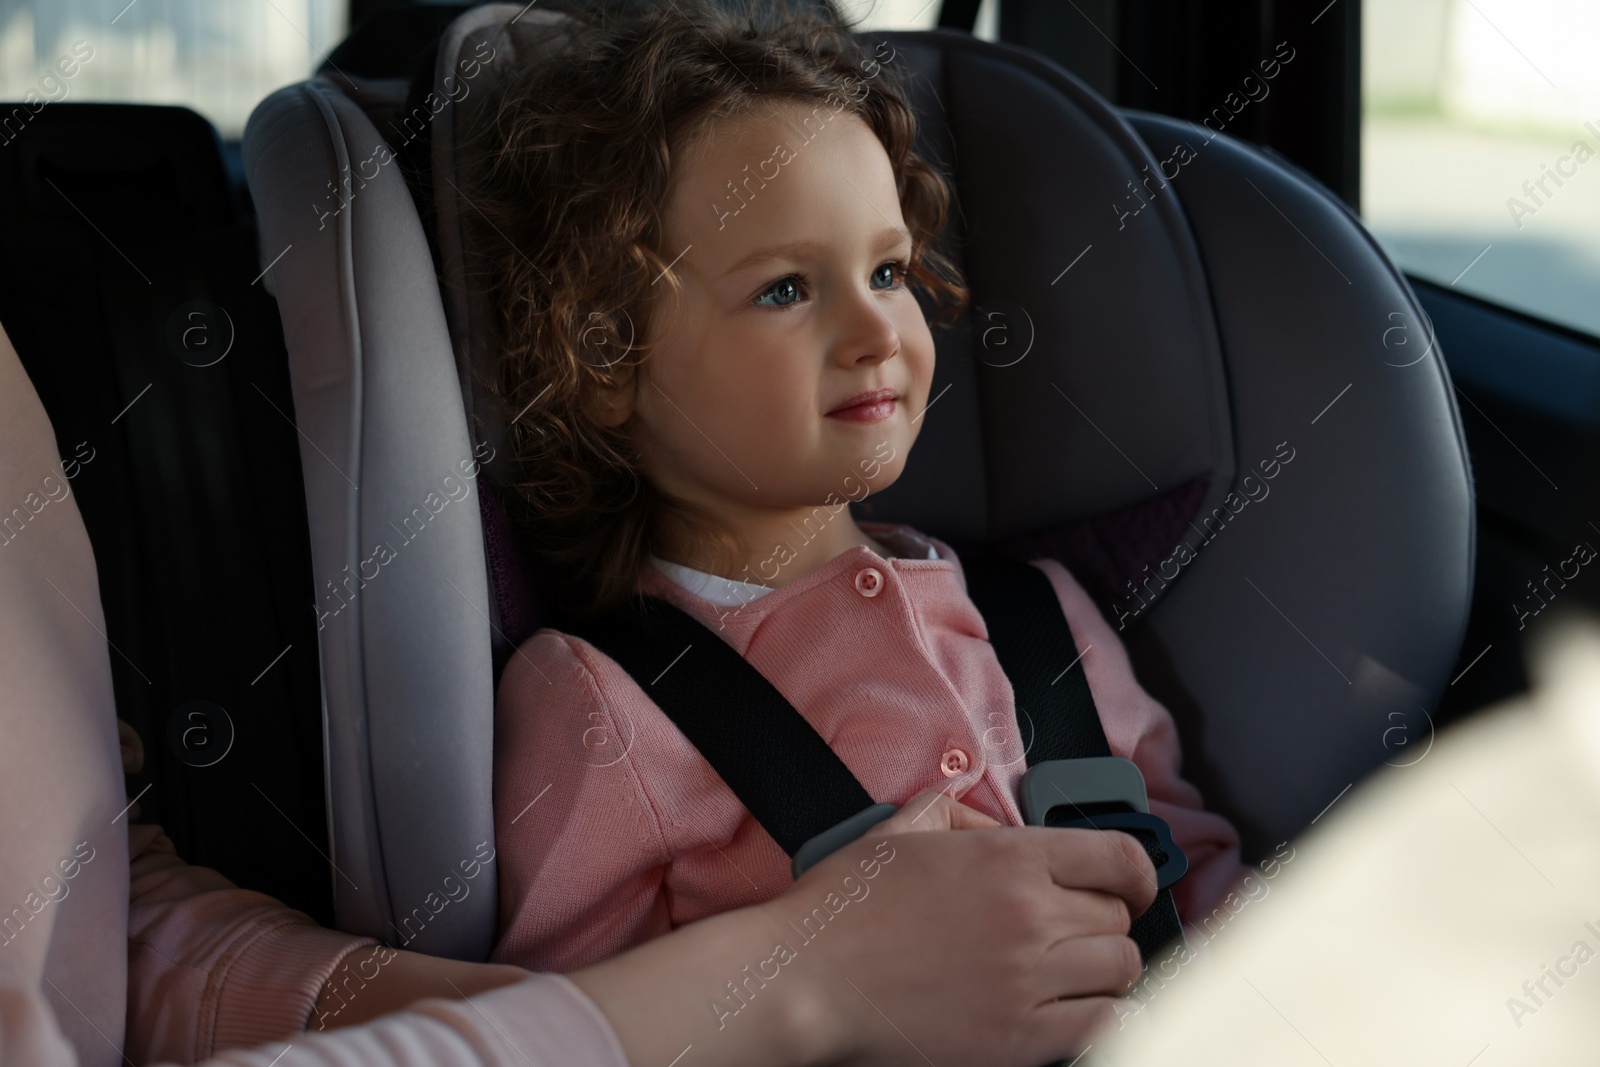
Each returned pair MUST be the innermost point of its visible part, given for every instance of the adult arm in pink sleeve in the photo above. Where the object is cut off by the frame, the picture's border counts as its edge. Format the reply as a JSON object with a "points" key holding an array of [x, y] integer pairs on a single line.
{"points": [[581, 855], [206, 955], [212, 966], [1142, 730], [543, 1020], [63, 855]]}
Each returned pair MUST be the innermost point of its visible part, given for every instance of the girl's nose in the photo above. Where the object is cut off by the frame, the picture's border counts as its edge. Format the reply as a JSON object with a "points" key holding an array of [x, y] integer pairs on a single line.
{"points": [[871, 337]]}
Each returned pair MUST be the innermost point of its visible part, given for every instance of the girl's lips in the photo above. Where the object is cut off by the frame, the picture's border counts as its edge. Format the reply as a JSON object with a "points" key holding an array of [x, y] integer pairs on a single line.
{"points": [[873, 411]]}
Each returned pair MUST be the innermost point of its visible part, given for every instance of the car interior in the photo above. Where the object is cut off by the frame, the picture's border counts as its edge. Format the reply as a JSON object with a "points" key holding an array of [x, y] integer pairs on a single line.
{"points": [[1322, 495]]}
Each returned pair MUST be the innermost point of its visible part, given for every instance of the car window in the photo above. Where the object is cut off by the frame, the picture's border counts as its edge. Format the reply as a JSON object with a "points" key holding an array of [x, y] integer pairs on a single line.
{"points": [[916, 15], [1480, 148], [219, 57]]}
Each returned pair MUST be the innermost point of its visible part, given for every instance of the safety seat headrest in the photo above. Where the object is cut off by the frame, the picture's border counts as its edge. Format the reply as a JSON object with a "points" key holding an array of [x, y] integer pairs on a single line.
{"points": [[977, 479]]}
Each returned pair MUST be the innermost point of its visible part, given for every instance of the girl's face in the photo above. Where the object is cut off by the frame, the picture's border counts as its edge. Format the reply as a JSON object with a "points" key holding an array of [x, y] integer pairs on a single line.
{"points": [[794, 303]]}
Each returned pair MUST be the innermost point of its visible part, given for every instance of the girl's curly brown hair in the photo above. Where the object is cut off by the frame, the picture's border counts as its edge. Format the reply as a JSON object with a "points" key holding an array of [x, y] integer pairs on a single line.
{"points": [[577, 160]]}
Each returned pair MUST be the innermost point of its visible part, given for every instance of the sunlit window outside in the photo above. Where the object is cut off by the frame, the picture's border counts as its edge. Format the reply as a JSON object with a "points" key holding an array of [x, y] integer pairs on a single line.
{"points": [[219, 57], [915, 15], [1480, 138], [1481, 118]]}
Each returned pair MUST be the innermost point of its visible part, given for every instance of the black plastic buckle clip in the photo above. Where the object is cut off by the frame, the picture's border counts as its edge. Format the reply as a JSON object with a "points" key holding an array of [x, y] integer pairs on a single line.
{"points": [[1170, 861], [837, 836], [1101, 793]]}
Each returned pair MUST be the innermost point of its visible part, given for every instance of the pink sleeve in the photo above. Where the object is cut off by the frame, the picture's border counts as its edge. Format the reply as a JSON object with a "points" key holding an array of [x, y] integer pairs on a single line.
{"points": [[1140, 729], [545, 1020], [581, 853], [215, 969], [212, 966]]}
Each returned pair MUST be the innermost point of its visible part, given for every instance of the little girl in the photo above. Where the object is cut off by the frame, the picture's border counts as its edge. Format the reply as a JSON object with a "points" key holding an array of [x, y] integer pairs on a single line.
{"points": [[709, 230]]}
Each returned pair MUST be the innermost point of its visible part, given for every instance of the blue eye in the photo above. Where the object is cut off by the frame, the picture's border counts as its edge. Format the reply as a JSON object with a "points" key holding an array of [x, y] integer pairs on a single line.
{"points": [[784, 285], [895, 269]]}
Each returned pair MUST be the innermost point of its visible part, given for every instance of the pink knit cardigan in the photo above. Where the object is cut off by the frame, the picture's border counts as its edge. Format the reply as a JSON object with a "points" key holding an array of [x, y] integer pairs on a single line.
{"points": [[612, 829]]}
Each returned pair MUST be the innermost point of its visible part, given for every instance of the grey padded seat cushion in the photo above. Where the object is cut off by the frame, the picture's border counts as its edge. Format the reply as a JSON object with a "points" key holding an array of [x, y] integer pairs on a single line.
{"points": [[1170, 353], [406, 669]]}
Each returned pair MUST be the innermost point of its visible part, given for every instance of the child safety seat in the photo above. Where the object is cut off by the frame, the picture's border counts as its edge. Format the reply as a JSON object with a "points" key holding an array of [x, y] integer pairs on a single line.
{"points": [[1183, 382]]}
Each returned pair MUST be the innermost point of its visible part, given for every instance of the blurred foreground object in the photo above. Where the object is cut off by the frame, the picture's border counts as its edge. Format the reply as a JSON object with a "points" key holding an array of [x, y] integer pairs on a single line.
{"points": [[1446, 912]]}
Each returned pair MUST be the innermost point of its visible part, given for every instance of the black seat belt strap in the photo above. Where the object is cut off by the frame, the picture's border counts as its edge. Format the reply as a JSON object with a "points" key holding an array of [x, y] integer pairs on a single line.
{"points": [[1035, 647], [1034, 644], [764, 749], [782, 770]]}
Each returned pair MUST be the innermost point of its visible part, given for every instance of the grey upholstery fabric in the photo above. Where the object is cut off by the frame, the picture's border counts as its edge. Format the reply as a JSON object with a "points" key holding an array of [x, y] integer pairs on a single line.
{"points": [[470, 313], [511, 35], [1321, 624], [1240, 315], [407, 685], [1121, 395]]}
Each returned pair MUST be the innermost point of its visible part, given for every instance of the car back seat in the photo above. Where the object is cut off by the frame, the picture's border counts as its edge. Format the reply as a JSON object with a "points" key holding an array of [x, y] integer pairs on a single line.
{"points": [[128, 283], [1206, 366]]}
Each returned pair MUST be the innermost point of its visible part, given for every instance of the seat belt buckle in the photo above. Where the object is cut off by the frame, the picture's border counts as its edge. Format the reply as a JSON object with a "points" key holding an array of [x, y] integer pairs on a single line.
{"points": [[1101, 793], [837, 836]]}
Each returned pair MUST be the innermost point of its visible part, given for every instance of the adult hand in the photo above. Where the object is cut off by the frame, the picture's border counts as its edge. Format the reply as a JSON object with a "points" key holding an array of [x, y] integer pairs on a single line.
{"points": [[932, 811], [996, 946]]}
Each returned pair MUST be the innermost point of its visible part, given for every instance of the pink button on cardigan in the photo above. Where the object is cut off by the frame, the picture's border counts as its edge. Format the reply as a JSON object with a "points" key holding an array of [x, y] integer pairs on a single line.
{"points": [[612, 829]]}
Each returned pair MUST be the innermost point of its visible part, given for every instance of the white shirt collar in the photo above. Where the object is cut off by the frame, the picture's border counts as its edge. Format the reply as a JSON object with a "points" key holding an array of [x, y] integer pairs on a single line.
{"points": [[732, 593]]}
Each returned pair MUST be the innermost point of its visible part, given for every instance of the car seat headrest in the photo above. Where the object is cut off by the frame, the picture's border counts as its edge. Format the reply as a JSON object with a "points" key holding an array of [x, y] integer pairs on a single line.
{"points": [[1034, 405], [475, 55]]}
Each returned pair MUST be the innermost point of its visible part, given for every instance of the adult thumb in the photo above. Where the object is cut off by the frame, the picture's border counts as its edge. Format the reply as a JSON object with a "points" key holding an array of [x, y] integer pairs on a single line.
{"points": [[933, 810]]}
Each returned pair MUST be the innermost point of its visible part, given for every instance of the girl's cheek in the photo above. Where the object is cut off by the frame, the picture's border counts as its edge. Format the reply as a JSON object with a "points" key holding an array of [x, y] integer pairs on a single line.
{"points": [[925, 354]]}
